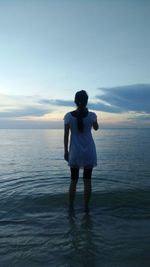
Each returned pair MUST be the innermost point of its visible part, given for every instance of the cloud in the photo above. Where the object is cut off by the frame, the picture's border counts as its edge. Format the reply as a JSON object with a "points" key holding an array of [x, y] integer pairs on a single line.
{"points": [[121, 99], [23, 112], [140, 117], [99, 106], [127, 98], [68, 103], [57, 102], [21, 106]]}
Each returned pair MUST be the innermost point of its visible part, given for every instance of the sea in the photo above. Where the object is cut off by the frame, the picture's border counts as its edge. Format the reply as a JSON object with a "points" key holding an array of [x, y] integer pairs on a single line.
{"points": [[36, 227]]}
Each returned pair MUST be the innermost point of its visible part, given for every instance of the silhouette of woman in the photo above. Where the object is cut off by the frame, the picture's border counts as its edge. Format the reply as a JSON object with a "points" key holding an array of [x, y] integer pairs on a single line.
{"points": [[82, 151]]}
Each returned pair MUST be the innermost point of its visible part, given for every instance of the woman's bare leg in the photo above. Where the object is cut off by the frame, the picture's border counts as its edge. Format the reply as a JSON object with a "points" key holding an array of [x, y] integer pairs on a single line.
{"points": [[72, 188], [87, 188]]}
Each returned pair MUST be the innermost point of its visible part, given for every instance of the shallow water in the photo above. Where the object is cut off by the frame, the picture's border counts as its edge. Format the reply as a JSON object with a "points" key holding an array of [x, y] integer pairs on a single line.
{"points": [[36, 228]]}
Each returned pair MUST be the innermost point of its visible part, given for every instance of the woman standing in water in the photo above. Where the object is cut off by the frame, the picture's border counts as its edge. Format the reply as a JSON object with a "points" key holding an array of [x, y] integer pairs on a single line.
{"points": [[82, 152]]}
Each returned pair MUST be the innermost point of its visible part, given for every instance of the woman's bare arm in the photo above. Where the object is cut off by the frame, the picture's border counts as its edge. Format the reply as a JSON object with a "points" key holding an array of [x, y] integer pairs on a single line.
{"points": [[95, 125], [66, 141]]}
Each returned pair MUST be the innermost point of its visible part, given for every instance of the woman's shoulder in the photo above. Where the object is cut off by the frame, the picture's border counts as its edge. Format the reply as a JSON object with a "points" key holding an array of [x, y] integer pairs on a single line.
{"points": [[92, 115], [91, 112], [69, 113], [68, 116]]}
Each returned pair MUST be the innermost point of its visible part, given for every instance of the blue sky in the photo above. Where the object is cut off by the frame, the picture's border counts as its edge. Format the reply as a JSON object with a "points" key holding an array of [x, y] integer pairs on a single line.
{"points": [[51, 49]]}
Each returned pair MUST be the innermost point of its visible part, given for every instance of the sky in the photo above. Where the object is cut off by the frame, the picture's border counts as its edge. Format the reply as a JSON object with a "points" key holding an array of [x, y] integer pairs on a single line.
{"points": [[49, 50]]}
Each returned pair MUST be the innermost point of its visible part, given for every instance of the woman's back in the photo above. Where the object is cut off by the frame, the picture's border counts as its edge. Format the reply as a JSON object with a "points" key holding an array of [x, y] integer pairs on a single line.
{"points": [[87, 123], [82, 148]]}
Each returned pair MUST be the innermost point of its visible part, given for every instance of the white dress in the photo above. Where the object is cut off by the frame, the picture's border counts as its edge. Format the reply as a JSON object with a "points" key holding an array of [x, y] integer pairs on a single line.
{"points": [[82, 151]]}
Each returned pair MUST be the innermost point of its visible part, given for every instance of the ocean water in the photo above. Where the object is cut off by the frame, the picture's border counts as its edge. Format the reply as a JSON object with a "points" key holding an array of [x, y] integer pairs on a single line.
{"points": [[36, 228]]}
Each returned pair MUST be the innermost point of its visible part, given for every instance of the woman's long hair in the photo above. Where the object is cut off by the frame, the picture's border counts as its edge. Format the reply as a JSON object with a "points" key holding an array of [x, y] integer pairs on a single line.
{"points": [[81, 100]]}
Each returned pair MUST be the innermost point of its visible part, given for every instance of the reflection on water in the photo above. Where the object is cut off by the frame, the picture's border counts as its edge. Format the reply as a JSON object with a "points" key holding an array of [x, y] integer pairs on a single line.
{"points": [[83, 250]]}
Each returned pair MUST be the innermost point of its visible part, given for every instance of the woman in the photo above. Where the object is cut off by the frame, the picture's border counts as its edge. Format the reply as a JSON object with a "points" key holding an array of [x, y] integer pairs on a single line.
{"points": [[82, 152]]}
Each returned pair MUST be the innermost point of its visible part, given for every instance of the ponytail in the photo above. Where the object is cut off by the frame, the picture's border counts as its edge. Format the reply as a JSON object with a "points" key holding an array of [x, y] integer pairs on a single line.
{"points": [[81, 99]]}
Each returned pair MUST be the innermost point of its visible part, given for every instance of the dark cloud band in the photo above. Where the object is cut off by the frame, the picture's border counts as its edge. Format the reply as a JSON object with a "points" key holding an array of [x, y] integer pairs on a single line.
{"points": [[24, 112], [130, 98]]}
